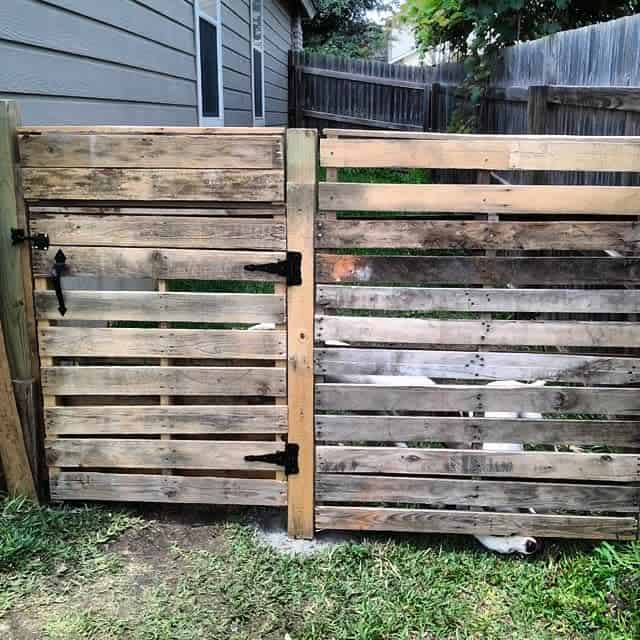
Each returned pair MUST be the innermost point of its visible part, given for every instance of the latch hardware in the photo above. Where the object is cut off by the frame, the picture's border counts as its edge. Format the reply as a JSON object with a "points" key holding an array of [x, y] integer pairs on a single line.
{"points": [[287, 458], [39, 240], [291, 268], [56, 273]]}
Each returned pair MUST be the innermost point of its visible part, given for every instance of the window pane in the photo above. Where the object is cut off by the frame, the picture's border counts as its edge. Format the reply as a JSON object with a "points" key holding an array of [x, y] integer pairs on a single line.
{"points": [[209, 69], [256, 14], [257, 83], [210, 7]]}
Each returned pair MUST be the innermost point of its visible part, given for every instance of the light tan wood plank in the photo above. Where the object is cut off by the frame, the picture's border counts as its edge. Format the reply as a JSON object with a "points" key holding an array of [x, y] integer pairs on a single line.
{"points": [[485, 270], [474, 523], [478, 300], [172, 419], [162, 343], [544, 153], [563, 400], [161, 231], [240, 210], [157, 381], [470, 234], [222, 185], [391, 429], [162, 152], [365, 330], [151, 306], [158, 454], [474, 198], [149, 130], [168, 489], [477, 493], [607, 467], [334, 364], [159, 264]]}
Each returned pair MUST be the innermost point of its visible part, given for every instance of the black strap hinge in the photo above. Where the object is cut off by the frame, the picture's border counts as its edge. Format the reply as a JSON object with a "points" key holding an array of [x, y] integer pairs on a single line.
{"points": [[291, 268], [38, 241], [287, 458]]}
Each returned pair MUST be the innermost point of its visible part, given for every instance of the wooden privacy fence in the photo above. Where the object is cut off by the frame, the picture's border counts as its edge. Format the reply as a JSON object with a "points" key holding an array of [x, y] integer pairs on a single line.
{"points": [[455, 283]]}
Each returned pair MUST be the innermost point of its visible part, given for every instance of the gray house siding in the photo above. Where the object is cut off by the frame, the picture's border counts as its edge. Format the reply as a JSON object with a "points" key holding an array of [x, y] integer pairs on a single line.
{"points": [[133, 62]]}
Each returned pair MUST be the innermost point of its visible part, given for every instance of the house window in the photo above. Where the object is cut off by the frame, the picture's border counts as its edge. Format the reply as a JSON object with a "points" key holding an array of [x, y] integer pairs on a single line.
{"points": [[257, 39], [209, 54]]}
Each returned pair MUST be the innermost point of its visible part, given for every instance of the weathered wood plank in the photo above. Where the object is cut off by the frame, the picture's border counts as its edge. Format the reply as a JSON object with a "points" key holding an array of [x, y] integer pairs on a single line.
{"points": [[475, 523], [158, 454], [334, 364], [455, 234], [151, 306], [156, 381], [149, 130], [607, 467], [364, 330], [162, 343], [164, 210], [222, 185], [159, 264], [446, 198], [189, 151], [616, 98], [563, 400], [391, 429], [506, 153], [498, 272], [167, 489], [163, 231], [169, 419], [477, 493], [479, 300]]}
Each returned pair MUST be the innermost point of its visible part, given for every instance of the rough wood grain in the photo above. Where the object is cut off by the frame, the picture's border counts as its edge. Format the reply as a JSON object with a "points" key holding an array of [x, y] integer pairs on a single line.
{"points": [[475, 523], [93, 208], [168, 489], [157, 381], [149, 130]]}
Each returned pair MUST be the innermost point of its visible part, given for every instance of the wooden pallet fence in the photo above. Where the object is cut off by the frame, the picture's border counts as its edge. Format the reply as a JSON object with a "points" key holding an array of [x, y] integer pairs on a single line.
{"points": [[412, 284]]}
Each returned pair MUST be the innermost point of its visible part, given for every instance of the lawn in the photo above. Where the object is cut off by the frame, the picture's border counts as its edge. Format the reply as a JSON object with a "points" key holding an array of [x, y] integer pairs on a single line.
{"points": [[97, 573]]}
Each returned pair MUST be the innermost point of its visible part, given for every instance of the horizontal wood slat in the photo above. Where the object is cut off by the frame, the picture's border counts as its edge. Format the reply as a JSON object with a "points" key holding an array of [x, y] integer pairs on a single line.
{"points": [[158, 454], [553, 400], [446, 198], [152, 306], [156, 381], [159, 264], [189, 151], [484, 365], [475, 523], [172, 489], [221, 185], [607, 467], [472, 332], [478, 300], [166, 419], [391, 429], [163, 231], [500, 271], [502, 494], [163, 343], [148, 130], [505, 153], [241, 210], [452, 234]]}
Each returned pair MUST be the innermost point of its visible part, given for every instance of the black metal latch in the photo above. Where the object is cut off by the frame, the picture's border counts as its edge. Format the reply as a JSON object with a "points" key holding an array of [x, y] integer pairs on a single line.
{"points": [[39, 240], [287, 458], [56, 273], [291, 268]]}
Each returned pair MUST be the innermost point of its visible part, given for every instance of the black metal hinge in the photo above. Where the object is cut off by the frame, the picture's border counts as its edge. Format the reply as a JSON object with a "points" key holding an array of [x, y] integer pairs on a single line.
{"points": [[291, 268], [38, 241], [287, 458]]}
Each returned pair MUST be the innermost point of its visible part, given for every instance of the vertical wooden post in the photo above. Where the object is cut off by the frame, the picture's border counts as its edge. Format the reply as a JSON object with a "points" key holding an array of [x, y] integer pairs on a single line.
{"points": [[292, 90], [537, 115], [426, 107], [299, 96], [302, 199], [434, 106], [16, 288]]}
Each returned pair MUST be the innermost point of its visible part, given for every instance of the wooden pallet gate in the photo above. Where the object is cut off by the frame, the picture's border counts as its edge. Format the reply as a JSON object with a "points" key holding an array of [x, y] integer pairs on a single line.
{"points": [[155, 391]]}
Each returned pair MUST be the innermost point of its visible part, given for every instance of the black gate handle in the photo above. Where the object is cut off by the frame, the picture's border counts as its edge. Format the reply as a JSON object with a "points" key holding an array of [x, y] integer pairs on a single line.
{"points": [[56, 273]]}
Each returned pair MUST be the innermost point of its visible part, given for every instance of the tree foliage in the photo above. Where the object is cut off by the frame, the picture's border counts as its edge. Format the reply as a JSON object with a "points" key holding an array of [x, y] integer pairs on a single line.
{"points": [[342, 27]]}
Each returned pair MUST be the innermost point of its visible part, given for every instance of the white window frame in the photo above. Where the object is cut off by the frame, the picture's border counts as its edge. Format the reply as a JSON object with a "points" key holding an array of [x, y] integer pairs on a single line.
{"points": [[257, 121], [217, 22]]}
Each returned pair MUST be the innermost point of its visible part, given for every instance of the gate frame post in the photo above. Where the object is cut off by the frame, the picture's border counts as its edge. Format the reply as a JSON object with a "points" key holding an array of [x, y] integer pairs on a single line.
{"points": [[302, 203]]}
